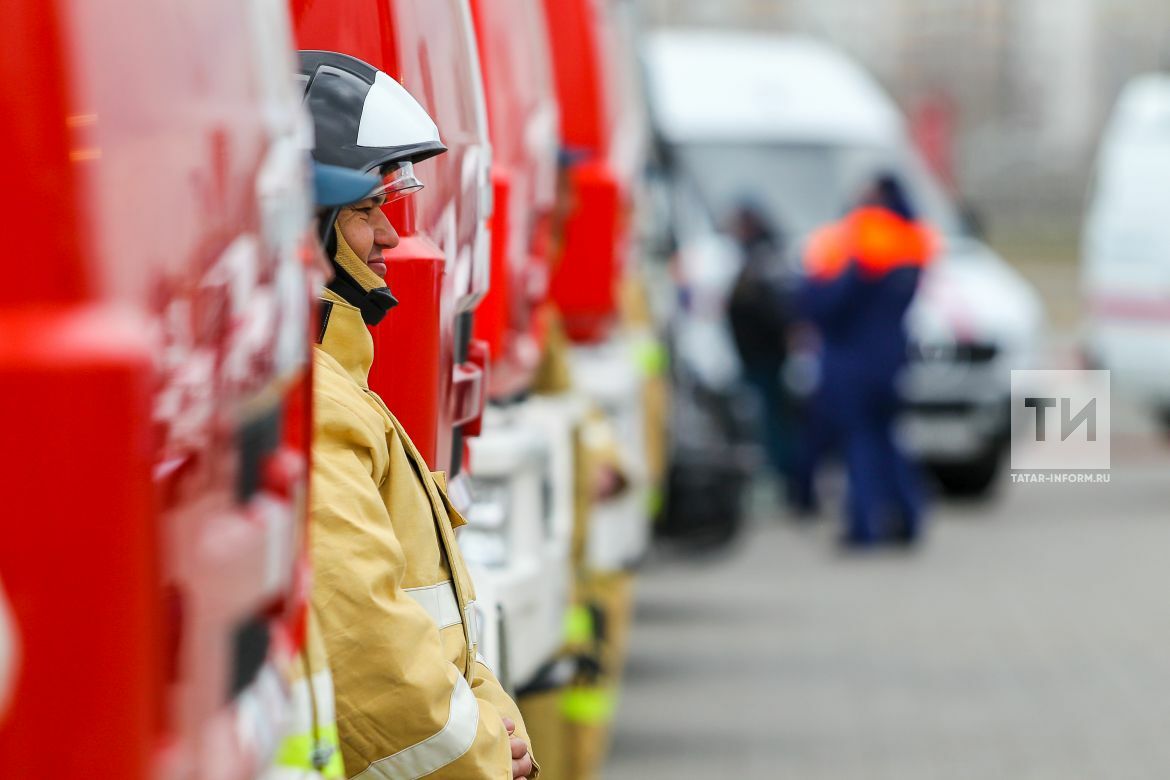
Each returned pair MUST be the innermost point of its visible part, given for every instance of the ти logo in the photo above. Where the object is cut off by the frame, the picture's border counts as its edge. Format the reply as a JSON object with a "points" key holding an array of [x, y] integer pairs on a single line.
{"points": [[1068, 423], [1060, 420]]}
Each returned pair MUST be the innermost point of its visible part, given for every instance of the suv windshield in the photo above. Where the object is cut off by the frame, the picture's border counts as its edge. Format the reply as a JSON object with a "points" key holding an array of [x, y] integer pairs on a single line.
{"points": [[804, 186]]}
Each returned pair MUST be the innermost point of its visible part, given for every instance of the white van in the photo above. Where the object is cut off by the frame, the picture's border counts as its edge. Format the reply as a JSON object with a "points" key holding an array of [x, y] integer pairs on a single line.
{"points": [[1126, 246], [794, 125]]}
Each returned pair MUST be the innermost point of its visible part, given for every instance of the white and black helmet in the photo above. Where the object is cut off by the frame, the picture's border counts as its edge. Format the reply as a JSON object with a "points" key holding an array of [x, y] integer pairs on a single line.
{"points": [[363, 118], [366, 121]]}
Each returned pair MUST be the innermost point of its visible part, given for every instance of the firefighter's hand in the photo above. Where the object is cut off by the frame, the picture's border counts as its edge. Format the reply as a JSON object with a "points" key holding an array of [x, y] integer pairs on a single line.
{"points": [[521, 758]]}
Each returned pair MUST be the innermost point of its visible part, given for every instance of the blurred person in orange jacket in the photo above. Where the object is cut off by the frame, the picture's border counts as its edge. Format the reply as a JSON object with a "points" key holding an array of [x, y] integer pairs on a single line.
{"points": [[861, 276]]}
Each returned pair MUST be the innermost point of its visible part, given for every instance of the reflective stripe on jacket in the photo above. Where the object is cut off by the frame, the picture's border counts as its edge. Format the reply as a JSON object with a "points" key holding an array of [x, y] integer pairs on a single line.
{"points": [[391, 591]]}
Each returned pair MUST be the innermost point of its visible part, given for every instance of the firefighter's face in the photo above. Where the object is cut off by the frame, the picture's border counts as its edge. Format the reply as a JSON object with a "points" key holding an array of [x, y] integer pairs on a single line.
{"points": [[368, 232]]}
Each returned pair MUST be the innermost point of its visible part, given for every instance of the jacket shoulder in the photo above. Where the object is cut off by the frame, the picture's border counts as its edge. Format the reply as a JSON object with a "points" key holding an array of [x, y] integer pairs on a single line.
{"points": [[341, 408]]}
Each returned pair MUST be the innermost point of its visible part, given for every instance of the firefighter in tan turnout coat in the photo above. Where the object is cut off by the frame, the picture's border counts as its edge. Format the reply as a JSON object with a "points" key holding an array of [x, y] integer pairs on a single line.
{"points": [[394, 600]]}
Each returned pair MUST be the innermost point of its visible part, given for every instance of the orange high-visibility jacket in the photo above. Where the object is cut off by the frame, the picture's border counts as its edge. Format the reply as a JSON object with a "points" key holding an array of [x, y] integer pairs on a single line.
{"points": [[876, 239]]}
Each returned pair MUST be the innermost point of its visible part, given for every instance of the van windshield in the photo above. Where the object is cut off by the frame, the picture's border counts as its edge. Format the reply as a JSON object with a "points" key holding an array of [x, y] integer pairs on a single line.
{"points": [[803, 186]]}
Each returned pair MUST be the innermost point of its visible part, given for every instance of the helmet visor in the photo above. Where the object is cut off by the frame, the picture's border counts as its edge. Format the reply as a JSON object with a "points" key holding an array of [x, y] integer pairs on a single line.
{"points": [[398, 181]]}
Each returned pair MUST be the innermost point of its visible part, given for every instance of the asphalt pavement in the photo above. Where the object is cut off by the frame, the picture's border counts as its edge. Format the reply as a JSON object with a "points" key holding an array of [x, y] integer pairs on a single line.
{"points": [[1029, 637]]}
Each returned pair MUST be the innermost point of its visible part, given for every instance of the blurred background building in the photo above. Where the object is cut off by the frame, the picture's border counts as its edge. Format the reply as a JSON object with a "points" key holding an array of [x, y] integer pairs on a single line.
{"points": [[1025, 84]]}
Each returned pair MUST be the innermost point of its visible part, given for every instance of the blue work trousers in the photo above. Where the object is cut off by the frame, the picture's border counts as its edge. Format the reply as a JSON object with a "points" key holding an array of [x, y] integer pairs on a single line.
{"points": [[884, 492]]}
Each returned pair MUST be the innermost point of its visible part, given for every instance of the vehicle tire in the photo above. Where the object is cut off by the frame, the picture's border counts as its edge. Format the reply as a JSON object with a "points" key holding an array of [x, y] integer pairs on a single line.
{"points": [[1163, 417], [703, 507], [973, 478]]}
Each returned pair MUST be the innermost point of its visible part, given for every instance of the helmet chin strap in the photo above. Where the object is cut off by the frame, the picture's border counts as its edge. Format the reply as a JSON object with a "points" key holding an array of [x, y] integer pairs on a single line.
{"points": [[356, 283], [374, 304]]}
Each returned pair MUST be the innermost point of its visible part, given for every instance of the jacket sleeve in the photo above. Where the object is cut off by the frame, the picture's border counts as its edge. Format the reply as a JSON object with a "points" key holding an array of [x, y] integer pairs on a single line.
{"points": [[488, 688], [403, 709]]}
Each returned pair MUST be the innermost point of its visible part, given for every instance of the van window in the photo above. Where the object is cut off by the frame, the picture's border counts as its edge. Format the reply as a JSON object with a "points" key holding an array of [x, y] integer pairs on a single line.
{"points": [[804, 186]]}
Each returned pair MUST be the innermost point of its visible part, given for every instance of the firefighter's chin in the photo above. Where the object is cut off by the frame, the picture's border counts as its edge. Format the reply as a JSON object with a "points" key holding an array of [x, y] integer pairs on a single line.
{"points": [[378, 266]]}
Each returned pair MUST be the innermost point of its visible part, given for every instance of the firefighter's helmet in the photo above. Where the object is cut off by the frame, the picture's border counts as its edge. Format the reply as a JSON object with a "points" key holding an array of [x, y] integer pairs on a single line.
{"points": [[366, 121]]}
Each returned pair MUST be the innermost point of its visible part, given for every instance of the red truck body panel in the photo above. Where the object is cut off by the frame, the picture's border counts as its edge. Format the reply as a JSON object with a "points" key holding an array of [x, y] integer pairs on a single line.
{"points": [[522, 118], [596, 135], [424, 367], [157, 313]]}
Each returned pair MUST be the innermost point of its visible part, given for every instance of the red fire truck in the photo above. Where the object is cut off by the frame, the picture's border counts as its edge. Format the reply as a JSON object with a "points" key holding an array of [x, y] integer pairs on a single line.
{"points": [[522, 117], [520, 527], [152, 380], [602, 134], [427, 367]]}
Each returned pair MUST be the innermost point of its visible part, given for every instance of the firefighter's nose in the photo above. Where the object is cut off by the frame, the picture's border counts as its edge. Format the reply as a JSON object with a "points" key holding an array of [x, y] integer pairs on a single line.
{"points": [[385, 236]]}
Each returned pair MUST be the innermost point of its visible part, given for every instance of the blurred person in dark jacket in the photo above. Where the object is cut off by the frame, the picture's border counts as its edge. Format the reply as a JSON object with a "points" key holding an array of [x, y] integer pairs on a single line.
{"points": [[861, 276], [760, 311]]}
